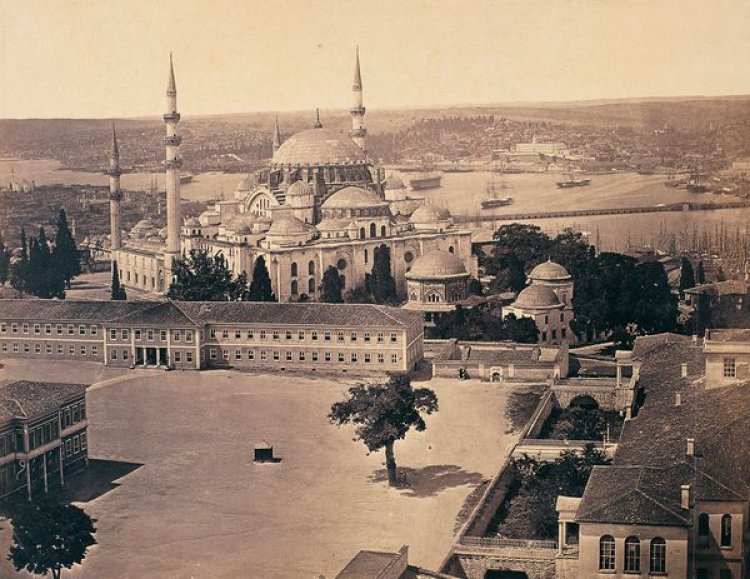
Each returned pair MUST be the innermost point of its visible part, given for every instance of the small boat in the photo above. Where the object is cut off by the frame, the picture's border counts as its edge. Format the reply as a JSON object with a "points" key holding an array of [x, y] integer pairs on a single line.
{"points": [[427, 181], [573, 182], [457, 167], [695, 184], [493, 200]]}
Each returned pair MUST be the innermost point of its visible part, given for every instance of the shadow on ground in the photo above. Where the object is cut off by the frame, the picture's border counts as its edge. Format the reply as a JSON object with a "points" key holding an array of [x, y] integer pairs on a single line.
{"points": [[100, 478], [430, 480]]}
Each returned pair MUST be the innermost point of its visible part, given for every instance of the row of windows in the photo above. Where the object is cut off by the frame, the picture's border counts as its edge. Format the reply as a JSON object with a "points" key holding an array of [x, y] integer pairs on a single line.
{"points": [[25, 328], [294, 270], [301, 335], [301, 356], [553, 334], [125, 355], [704, 531], [75, 444], [124, 334], [43, 434], [632, 555], [6, 443], [50, 348], [72, 414]]}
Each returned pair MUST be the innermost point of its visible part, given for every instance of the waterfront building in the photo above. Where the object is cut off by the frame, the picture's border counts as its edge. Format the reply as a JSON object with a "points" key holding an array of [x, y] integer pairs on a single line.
{"points": [[357, 338], [43, 436], [320, 202], [548, 300]]}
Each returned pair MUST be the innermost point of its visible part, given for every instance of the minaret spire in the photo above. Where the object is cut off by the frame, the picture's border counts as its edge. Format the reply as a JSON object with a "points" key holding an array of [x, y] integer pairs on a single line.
{"points": [[318, 124], [276, 135], [358, 132], [115, 196], [172, 164]]}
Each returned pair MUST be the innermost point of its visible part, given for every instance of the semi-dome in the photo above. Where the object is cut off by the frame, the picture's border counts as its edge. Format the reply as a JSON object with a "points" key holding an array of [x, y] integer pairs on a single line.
{"points": [[352, 198], [318, 146], [537, 297], [549, 271], [192, 222], [299, 188], [429, 214], [392, 182], [437, 264], [289, 225]]}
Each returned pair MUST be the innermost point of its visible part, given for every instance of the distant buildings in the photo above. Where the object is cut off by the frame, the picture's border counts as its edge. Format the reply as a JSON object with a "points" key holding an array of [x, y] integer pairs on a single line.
{"points": [[43, 436], [197, 335]]}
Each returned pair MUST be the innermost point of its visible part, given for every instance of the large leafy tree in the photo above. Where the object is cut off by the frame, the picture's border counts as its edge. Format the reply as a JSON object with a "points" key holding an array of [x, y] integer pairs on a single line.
{"points": [[19, 270], [202, 277], [527, 242], [117, 291], [66, 254], [260, 286], [49, 537], [37, 271], [384, 413], [332, 286], [382, 284], [4, 261]]}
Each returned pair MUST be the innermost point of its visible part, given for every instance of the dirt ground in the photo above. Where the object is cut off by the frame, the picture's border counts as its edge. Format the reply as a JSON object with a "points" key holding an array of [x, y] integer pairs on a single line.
{"points": [[176, 494]]}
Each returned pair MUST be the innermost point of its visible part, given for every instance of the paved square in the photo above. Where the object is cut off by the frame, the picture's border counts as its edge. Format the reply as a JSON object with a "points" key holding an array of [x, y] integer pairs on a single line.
{"points": [[199, 507]]}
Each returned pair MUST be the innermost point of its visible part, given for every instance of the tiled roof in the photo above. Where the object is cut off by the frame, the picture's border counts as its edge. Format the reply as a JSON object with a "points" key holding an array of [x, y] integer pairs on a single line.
{"points": [[156, 314], [24, 399], [367, 565], [651, 462], [720, 288], [73, 310], [729, 335], [352, 315]]}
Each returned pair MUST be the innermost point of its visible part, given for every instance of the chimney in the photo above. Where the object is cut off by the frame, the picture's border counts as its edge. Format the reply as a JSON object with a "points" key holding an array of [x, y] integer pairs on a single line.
{"points": [[695, 339], [690, 447], [683, 370], [685, 496], [677, 399]]}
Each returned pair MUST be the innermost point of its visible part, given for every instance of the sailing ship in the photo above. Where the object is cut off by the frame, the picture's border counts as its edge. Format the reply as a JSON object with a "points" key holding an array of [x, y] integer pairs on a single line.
{"points": [[695, 184], [457, 167], [493, 199]]}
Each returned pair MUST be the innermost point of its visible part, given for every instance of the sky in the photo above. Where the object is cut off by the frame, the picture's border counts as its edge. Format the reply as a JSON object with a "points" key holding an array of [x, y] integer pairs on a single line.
{"points": [[109, 58]]}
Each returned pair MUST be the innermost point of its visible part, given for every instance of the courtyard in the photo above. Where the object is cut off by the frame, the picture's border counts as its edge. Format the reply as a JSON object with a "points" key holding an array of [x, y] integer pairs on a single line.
{"points": [[186, 500]]}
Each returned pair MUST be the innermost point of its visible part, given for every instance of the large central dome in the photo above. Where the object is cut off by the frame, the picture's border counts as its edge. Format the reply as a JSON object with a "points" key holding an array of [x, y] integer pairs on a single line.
{"points": [[318, 146]]}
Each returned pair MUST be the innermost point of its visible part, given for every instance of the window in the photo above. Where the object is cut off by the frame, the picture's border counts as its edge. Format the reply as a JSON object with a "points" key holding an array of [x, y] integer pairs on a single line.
{"points": [[238, 334], [294, 269], [340, 336], [188, 336], [367, 336], [71, 329], [238, 354], [212, 353], [37, 348], [212, 333], [26, 329], [562, 317], [82, 330], [47, 328], [367, 358], [189, 356], [3, 328], [263, 355], [276, 355], [703, 530], [658, 556], [15, 347], [311, 267], [315, 356], [150, 335], [94, 350], [250, 334], [394, 337], [59, 329], [76, 444], [125, 354], [59, 348], [341, 357], [354, 357], [353, 336], [327, 336], [225, 354], [275, 334], [251, 354], [726, 531], [607, 553], [177, 335], [632, 555], [294, 287], [113, 354], [125, 334], [37, 329], [48, 348], [327, 357], [262, 334], [137, 334], [95, 330], [394, 358], [225, 334], [381, 337], [301, 335], [83, 350], [730, 368], [72, 350], [288, 356], [5, 347], [113, 334], [314, 335], [27, 348], [68, 448], [381, 358], [14, 329], [288, 334], [83, 441]]}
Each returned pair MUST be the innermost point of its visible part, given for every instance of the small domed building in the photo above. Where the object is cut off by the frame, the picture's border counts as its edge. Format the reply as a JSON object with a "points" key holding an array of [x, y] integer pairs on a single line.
{"points": [[548, 300], [435, 282]]}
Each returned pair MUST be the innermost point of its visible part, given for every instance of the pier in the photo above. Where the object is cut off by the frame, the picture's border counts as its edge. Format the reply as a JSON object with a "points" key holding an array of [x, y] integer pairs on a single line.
{"points": [[690, 206]]}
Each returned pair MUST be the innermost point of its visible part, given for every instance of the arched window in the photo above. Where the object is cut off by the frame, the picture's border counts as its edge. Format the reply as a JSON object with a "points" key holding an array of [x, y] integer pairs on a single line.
{"points": [[658, 556], [632, 554], [311, 267], [343, 281], [373, 230], [366, 256], [703, 529], [382, 231], [726, 531], [294, 269], [451, 249], [361, 232], [607, 553], [295, 287], [311, 286]]}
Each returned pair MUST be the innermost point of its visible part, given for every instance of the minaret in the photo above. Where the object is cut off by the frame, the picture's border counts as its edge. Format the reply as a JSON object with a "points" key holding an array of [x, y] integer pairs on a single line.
{"points": [[115, 195], [357, 111], [172, 164], [276, 136]]}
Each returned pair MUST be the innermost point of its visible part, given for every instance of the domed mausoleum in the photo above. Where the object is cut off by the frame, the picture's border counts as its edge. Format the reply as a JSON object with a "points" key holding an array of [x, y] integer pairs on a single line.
{"points": [[435, 283]]}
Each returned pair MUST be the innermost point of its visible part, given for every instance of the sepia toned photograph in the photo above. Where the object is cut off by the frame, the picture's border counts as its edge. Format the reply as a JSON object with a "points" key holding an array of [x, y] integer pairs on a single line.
{"points": [[417, 289]]}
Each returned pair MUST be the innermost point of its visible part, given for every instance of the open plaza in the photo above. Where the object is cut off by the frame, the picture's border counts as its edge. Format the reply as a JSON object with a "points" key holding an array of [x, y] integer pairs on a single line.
{"points": [[175, 492]]}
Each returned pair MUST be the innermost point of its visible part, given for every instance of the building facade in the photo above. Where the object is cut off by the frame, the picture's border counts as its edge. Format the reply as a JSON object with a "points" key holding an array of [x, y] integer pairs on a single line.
{"points": [[43, 436], [357, 338]]}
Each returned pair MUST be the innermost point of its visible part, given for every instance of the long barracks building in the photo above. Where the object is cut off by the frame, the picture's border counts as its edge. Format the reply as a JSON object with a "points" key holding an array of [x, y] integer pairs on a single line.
{"points": [[198, 335]]}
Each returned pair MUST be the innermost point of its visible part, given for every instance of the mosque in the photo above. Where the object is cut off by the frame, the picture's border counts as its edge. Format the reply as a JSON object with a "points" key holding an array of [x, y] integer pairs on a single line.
{"points": [[321, 202]]}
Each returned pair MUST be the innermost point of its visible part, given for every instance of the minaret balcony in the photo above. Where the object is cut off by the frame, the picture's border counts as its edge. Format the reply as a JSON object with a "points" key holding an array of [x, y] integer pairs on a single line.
{"points": [[362, 132], [174, 116], [114, 172], [173, 163], [359, 111], [115, 195], [173, 141]]}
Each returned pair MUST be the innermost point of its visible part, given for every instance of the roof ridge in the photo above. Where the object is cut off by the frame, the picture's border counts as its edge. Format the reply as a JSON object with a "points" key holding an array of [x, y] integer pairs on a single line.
{"points": [[721, 484], [655, 501]]}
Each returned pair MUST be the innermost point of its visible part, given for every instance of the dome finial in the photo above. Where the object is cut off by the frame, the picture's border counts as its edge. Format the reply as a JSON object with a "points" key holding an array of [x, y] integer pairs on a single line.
{"points": [[318, 124]]}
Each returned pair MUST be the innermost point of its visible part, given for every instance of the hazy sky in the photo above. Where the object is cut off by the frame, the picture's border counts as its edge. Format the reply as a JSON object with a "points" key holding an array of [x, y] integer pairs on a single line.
{"points": [[108, 58]]}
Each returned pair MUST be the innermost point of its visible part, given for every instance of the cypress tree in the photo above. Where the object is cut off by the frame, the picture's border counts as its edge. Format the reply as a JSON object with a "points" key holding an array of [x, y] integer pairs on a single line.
{"points": [[700, 274], [687, 278], [118, 291], [66, 253], [19, 270], [331, 286], [260, 286], [382, 284], [4, 261]]}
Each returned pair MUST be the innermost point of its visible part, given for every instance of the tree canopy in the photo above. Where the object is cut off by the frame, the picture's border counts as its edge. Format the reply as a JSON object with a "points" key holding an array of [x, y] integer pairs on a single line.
{"points": [[383, 413], [202, 277], [332, 286], [38, 271], [382, 283], [687, 277], [117, 291], [49, 537], [260, 286], [67, 257], [484, 322]]}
